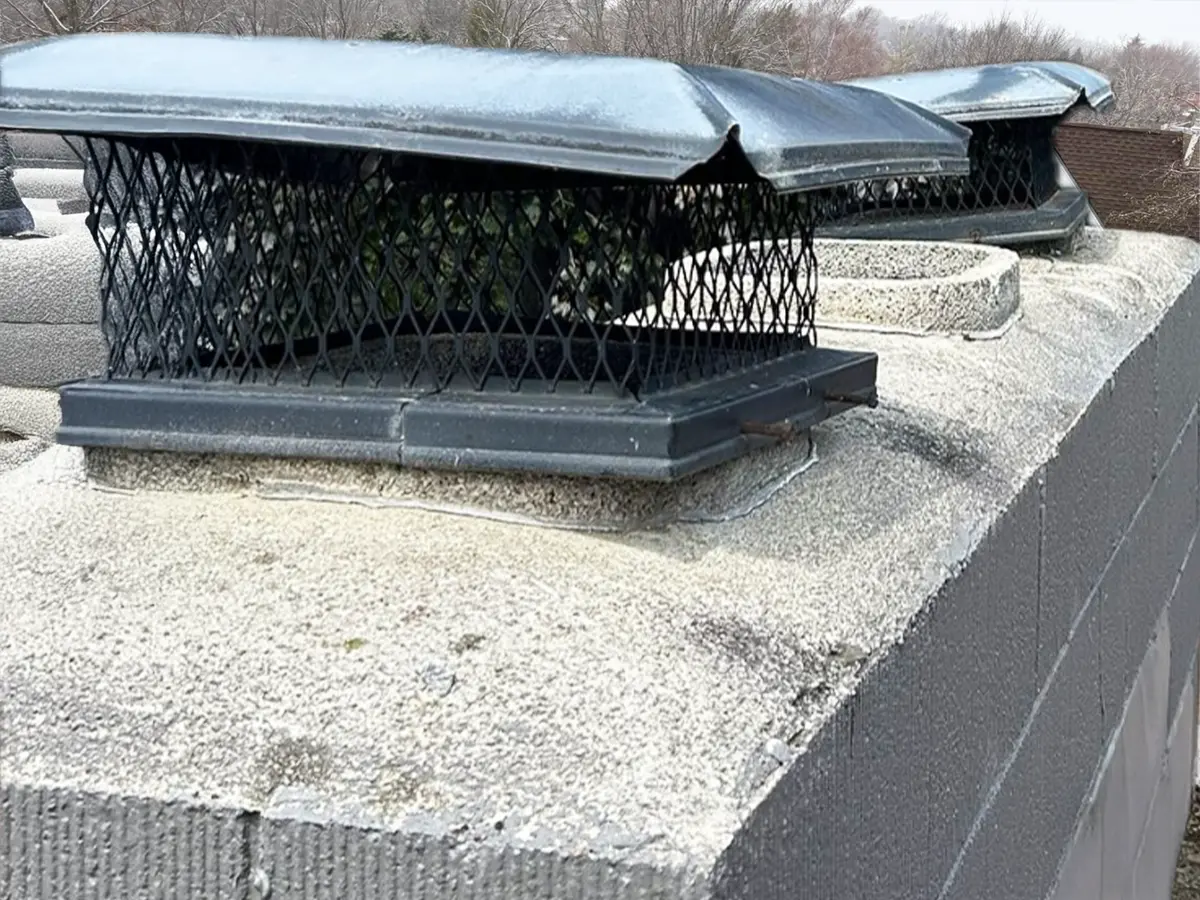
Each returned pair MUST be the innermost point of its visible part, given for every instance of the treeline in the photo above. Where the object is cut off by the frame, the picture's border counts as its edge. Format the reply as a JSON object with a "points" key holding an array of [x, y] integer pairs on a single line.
{"points": [[823, 39]]}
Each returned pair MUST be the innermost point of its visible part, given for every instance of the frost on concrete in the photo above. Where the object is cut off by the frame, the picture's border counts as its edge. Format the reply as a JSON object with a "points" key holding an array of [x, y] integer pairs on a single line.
{"points": [[622, 697]]}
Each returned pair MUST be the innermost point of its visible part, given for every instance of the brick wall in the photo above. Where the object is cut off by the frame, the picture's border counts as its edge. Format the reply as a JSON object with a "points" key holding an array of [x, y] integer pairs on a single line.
{"points": [[1123, 171]]}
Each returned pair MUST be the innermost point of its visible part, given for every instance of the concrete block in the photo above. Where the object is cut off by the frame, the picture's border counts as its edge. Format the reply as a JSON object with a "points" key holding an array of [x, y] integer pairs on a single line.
{"points": [[1134, 774], [1145, 571], [1185, 622], [1154, 867], [1094, 487], [50, 184], [983, 680], [34, 149], [1181, 762], [960, 686], [851, 818], [1081, 876], [1177, 379], [39, 356], [29, 412], [50, 281], [1019, 843], [1117, 596], [1120, 830], [1126, 804], [117, 848], [320, 861]]}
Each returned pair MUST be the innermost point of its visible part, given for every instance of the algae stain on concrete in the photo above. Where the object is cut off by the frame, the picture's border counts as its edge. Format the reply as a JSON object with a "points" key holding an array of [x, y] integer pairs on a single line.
{"points": [[291, 762], [402, 786], [467, 643]]}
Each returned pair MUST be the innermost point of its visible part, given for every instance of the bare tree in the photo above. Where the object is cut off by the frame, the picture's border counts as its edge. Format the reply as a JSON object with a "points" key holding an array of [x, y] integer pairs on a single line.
{"points": [[829, 40], [428, 21], [594, 26], [256, 17], [184, 16], [1153, 83], [337, 19], [917, 43], [932, 43], [516, 24], [704, 32], [47, 18]]}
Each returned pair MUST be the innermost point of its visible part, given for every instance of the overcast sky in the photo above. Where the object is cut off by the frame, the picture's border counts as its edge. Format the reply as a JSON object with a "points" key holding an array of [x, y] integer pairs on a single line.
{"points": [[1104, 20]]}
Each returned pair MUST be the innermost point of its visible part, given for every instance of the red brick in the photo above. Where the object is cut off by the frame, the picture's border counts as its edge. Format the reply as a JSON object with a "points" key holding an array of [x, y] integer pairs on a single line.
{"points": [[1122, 169]]}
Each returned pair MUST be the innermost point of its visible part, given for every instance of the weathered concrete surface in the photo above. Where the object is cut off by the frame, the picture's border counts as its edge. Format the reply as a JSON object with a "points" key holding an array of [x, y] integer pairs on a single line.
{"points": [[50, 305], [43, 151], [29, 412], [50, 184], [919, 286], [714, 495], [16, 450], [50, 221], [45, 355], [853, 688]]}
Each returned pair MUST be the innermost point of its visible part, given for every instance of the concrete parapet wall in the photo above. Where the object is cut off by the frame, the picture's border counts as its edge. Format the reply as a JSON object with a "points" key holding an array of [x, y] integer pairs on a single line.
{"points": [[50, 221], [29, 412], [43, 151], [50, 309], [925, 668], [50, 184]]}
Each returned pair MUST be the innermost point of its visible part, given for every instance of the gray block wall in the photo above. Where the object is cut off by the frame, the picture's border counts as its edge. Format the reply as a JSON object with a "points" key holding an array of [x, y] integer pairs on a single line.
{"points": [[973, 752], [44, 151], [49, 326]]}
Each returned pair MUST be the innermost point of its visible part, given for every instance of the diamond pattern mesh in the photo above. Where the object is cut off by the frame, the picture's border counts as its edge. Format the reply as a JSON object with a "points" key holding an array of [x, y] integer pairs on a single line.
{"points": [[256, 262], [1012, 167]]}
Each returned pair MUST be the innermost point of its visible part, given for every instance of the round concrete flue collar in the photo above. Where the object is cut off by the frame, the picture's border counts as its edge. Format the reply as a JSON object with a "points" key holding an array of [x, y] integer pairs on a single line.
{"points": [[918, 287]]}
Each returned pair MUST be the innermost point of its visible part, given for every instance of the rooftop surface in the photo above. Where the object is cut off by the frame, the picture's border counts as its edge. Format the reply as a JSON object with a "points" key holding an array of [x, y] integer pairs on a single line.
{"points": [[627, 694]]}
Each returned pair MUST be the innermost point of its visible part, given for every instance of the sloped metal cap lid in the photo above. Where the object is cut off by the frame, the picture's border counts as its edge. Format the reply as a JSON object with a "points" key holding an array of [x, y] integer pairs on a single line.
{"points": [[1015, 90], [615, 116]]}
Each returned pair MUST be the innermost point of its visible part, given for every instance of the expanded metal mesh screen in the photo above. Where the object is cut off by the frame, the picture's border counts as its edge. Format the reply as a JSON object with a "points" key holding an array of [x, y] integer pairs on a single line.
{"points": [[1012, 167], [256, 262]]}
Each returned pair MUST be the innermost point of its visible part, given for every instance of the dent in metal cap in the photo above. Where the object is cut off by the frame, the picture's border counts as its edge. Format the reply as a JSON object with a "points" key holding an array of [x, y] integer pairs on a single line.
{"points": [[1011, 91], [615, 116]]}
